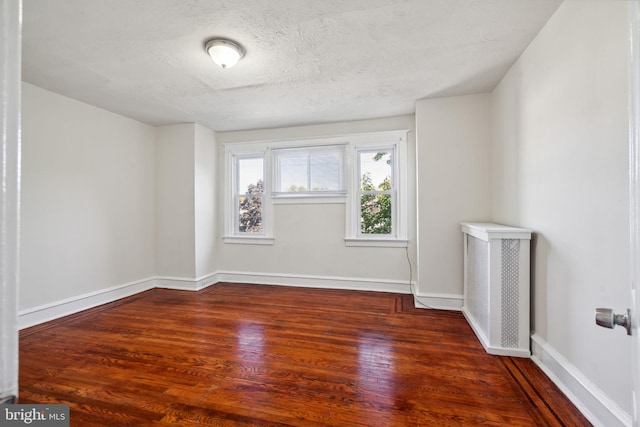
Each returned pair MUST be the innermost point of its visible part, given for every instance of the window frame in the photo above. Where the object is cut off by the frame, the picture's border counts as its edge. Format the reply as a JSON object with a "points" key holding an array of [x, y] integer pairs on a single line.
{"points": [[233, 155], [351, 145], [396, 143]]}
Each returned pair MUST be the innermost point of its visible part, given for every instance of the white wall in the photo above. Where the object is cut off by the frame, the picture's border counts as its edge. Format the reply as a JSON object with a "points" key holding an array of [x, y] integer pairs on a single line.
{"points": [[454, 185], [206, 200], [186, 201], [175, 208], [110, 204], [88, 204], [560, 168], [309, 238]]}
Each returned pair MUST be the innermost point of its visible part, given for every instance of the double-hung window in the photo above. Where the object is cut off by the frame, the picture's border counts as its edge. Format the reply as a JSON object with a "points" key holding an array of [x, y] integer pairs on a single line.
{"points": [[377, 207], [248, 218]]}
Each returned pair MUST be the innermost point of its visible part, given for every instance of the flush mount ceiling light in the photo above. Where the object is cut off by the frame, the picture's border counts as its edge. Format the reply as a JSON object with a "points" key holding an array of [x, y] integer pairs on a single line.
{"points": [[226, 53]]}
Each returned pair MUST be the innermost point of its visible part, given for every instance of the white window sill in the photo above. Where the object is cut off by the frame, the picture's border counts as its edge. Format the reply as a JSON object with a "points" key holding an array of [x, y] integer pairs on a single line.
{"points": [[293, 200], [249, 240], [308, 198], [377, 243]]}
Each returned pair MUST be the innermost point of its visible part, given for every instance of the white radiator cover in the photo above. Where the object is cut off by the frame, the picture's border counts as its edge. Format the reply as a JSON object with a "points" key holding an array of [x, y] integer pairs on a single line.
{"points": [[496, 286]]}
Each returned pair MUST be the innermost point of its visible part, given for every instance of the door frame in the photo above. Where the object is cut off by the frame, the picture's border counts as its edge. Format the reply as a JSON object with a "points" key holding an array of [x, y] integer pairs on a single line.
{"points": [[10, 94], [634, 198]]}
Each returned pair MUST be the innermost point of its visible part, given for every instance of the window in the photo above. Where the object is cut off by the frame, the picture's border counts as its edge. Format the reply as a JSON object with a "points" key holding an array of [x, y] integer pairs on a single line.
{"points": [[308, 171], [365, 172], [377, 206], [247, 202]]}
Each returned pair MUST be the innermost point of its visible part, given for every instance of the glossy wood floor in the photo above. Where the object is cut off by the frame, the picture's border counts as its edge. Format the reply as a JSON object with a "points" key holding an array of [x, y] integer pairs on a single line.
{"points": [[249, 355]]}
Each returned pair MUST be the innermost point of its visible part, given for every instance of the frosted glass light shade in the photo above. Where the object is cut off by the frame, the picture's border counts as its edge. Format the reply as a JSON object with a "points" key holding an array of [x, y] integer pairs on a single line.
{"points": [[225, 53]]}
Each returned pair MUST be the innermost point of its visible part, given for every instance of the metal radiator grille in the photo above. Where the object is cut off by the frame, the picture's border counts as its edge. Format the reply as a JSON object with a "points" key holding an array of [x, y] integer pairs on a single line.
{"points": [[510, 293]]}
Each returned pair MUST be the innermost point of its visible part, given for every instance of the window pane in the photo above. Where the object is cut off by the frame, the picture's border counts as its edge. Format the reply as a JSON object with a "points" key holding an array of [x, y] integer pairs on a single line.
{"points": [[293, 172], [308, 169], [325, 172], [250, 176], [375, 214], [250, 214], [376, 170]]}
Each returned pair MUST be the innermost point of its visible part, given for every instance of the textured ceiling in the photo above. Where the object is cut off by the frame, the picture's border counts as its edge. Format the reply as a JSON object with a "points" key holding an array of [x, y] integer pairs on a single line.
{"points": [[307, 61]]}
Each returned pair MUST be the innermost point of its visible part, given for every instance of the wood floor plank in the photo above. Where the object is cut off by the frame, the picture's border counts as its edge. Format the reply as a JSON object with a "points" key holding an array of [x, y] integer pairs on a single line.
{"points": [[251, 355]]}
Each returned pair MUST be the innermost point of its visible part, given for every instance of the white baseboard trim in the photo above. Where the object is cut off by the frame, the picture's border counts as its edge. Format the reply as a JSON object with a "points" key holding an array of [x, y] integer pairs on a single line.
{"points": [[486, 343], [311, 281], [187, 284], [599, 409], [438, 301], [47, 312], [57, 309]]}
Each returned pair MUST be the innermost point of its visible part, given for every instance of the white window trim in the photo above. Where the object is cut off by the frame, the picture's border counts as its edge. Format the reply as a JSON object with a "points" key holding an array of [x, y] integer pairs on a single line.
{"points": [[353, 143], [396, 140], [326, 198], [249, 240], [376, 242], [232, 235]]}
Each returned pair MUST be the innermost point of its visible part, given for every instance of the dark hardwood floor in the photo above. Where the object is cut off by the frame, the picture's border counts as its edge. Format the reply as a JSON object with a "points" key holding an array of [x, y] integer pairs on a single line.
{"points": [[250, 355]]}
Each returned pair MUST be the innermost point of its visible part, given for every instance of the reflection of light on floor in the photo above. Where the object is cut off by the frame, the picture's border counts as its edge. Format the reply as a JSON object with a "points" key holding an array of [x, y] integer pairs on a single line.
{"points": [[250, 337], [375, 364], [377, 376]]}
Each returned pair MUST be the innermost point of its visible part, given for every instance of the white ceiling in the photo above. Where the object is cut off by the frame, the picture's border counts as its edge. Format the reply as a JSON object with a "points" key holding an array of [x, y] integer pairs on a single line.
{"points": [[307, 61]]}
